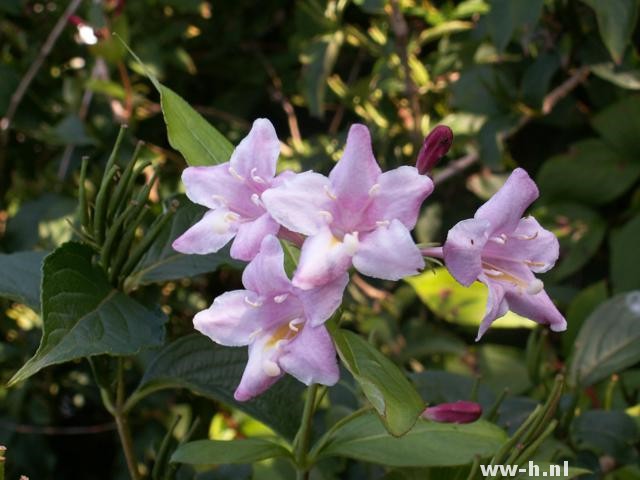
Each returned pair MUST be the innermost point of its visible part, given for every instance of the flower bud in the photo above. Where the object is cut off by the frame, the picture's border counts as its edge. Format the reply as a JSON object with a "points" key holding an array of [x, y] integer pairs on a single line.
{"points": [[435, 146], [461, 411]]}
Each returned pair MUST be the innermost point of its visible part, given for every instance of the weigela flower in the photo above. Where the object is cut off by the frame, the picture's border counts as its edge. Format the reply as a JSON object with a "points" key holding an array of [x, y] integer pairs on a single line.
{"points": [[461, 411], [232, 191], [358, 215], [504, 251], [281, 324]]}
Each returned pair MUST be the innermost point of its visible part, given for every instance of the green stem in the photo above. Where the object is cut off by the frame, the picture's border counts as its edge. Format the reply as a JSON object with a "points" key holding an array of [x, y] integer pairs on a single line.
{"points": [[122, 424], [301, 443]]}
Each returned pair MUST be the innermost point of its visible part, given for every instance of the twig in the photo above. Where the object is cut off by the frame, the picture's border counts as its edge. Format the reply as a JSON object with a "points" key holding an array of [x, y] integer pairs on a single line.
{"points": [[401, 30], [368, 289], [548, 104], [49, 430]]}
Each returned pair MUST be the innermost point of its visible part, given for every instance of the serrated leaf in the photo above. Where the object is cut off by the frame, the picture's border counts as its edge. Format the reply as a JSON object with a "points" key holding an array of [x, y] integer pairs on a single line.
{"points": [[83, 315], [217, 452], [206, 368], [383, 383], [616, 21], [427, 444], [20, 277], [609, 340], [161, 262]]}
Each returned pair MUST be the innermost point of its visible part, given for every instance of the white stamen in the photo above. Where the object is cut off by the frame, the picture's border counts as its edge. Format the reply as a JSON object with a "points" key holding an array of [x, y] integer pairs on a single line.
{"points": [[293, 324], [329, 193], [383, 223], [327, 215], [233, 172], [220, 200], [280, 298], [374, 190], [351, 242], [501, 239], [254, 334], [256, 178], [493, 273], [257, 303], [535, 286], [220, 225], [255, 198], [527, 237], [230, 217], [270, 368]]}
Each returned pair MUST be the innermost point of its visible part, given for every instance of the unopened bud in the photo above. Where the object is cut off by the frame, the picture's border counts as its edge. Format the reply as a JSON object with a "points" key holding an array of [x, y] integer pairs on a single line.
{"points": [[461, 411], [435, 146]]}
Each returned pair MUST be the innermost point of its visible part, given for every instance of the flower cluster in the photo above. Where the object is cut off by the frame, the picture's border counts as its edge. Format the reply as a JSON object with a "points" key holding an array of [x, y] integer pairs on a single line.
{"points": [[357, 216]]}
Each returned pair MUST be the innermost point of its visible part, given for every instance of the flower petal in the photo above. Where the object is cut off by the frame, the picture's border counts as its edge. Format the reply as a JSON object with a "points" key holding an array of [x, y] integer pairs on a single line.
{"points": [[265, 274], [214, 187], [356, 172], [321, 302], [296, 203], [530, 244], [261, 372], [388, 252], [202, 238], [257, 154], [250, 235], [496, 305], [463, 249], [538, 308], [323, 258], [505, 209], [400, 196], [229, 320], [311, 357]]}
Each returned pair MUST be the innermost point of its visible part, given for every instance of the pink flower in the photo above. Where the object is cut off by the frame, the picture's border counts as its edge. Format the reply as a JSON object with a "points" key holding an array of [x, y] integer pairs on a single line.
{"points": [[281, 324], [435, 146], [504, 251], [457, 412], [358, 215], [232, 191]]}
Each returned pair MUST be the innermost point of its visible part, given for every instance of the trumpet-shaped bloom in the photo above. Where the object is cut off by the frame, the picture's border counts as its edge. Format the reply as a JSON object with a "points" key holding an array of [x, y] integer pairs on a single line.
{"points": [[358, 215], [281, 324], [232, 191], [504, 251]]}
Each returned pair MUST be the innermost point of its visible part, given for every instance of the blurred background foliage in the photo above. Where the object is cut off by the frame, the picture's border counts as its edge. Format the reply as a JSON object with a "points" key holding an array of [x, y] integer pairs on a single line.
{"points": [[549, 85]]}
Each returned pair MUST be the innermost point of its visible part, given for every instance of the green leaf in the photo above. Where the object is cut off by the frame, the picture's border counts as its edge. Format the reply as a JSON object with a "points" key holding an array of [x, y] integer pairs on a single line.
{"points": [[161, 262], [458, 304], [206, 368], [318, 60], [623, 77], [625, 254], [84, 315], [616, 21], [506, 15], [618, 124], [427, 444], [385, 386], [20, 277], [217, 452], [579, 309], [597, 173], [602, 432], [609, 340]]}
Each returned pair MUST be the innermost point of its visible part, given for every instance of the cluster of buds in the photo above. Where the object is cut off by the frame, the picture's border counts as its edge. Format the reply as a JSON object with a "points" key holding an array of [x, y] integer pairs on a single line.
{"points": [[356, 217]]}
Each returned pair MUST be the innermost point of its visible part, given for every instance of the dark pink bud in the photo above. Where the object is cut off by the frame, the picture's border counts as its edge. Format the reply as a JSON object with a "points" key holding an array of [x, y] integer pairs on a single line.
{"points": [[435, 146], [457, 412], [76, 20]]}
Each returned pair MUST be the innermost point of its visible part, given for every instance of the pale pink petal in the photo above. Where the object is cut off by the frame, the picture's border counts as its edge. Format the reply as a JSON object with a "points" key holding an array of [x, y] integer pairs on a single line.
{"points": [[538, 308], [463, 249], [311, 357], [323, 258], [209, 235], [229, 320], [302, 204], [261, 372], [256, 155], [265, 274], [530, 244], [399, 196], [496, 305], [388, 252], [214, 187], [356, 172], [505, 209], [250, 235], [321, 302]]}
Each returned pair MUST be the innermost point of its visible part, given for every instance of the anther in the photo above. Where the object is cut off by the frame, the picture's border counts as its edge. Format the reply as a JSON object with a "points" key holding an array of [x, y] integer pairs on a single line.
{"points": [[255, 198], [535, 286], [280, 298], [326, 214], [351, 242], [374, 190], [255, 304], [219, 199], [254, 334], [233, 172], [329, 193], [293, 324], [271, 368], [231, 217], [256, 178], [383, 223]]}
